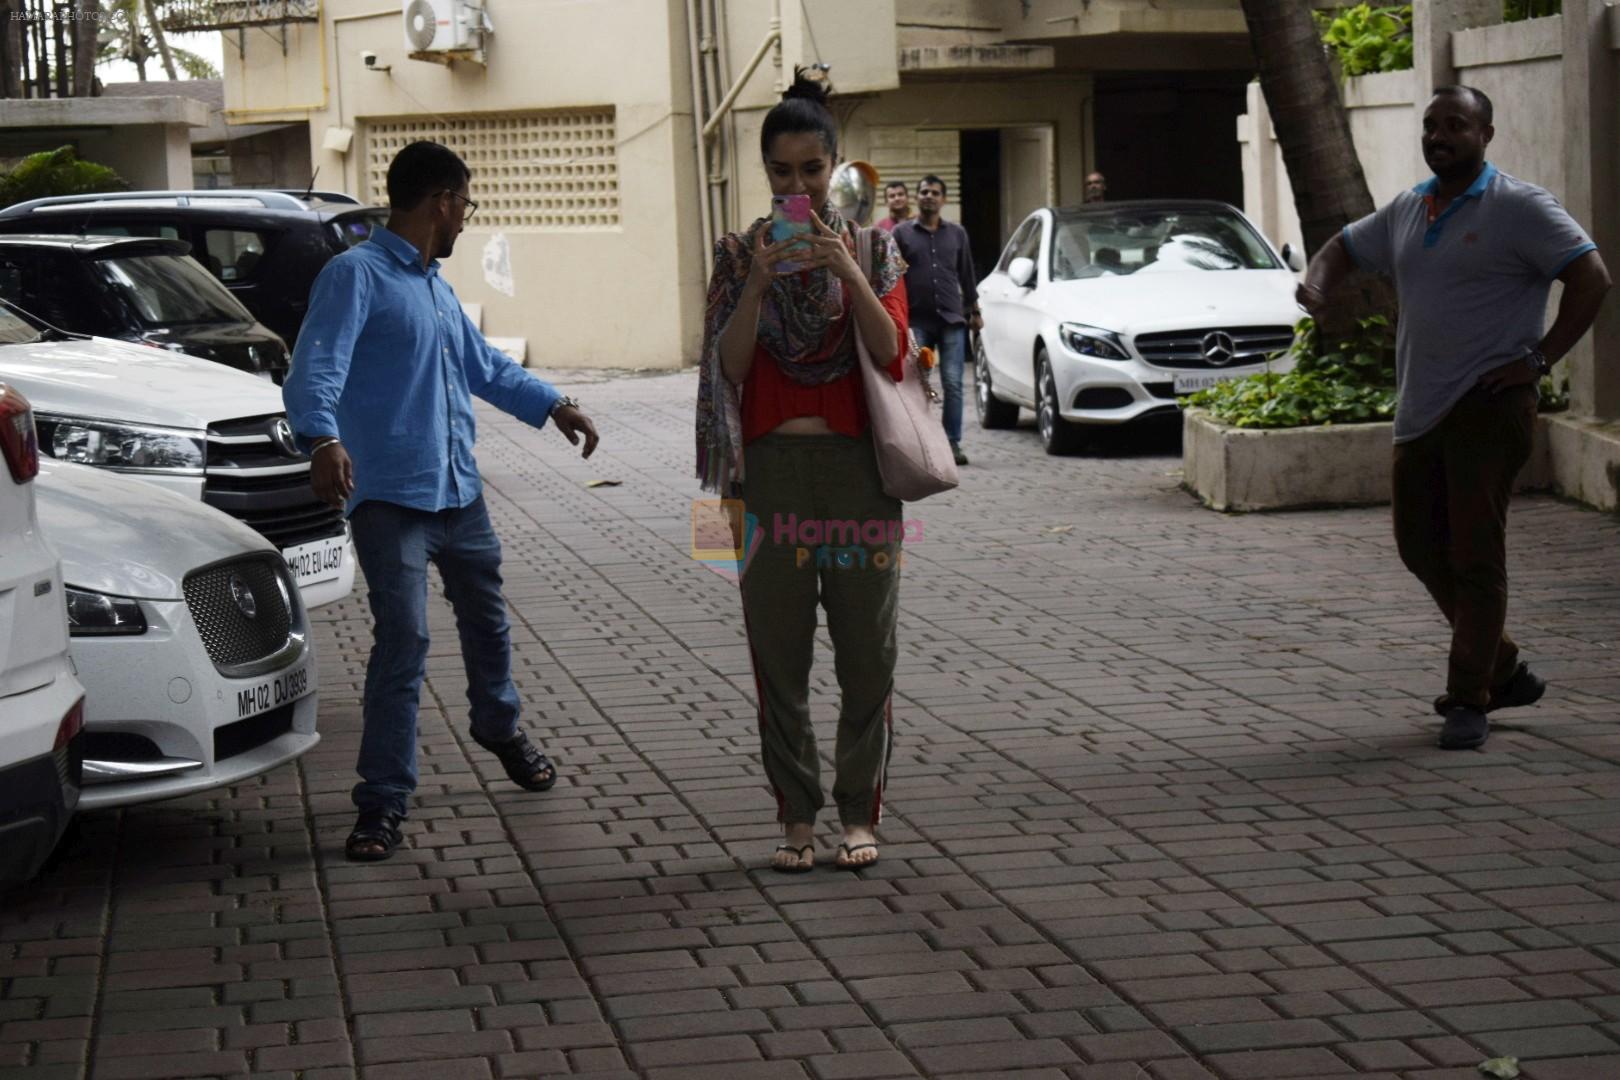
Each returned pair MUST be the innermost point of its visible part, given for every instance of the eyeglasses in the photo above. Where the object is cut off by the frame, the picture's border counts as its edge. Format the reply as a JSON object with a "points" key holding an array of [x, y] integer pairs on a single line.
{"points": [[472, 207]]}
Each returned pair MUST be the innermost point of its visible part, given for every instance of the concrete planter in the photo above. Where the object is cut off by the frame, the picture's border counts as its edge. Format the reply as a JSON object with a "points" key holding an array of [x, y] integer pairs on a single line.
{"points": [[1243, 469]]}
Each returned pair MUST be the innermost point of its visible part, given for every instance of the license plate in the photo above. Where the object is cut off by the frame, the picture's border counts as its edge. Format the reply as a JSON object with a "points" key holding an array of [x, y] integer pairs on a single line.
{"points": [[1187, 383], [317, 561], [274, 692]]}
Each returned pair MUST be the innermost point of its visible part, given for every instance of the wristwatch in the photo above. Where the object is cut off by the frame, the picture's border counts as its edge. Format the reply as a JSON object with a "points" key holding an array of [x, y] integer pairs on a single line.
{"points": [[564, 402], [1538, 360]]}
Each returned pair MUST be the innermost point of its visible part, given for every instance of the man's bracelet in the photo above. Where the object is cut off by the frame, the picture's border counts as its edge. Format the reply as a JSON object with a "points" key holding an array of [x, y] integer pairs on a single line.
{"points": [[322, 443]]}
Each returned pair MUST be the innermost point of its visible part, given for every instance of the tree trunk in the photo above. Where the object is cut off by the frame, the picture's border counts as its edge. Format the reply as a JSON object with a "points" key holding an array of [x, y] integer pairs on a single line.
{"points": [[162, 42], [12, 56], [85, 46], [1330, 190]]}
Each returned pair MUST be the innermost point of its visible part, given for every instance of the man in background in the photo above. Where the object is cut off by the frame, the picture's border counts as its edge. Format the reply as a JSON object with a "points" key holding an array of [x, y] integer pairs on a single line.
{"points": [[1096, 187], [898, 196], [942, 290]]}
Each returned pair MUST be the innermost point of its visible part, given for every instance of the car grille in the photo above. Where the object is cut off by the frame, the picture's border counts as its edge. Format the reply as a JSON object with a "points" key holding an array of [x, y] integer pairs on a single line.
{"points": [[1190, 348], [219, 598], [258, 482]]}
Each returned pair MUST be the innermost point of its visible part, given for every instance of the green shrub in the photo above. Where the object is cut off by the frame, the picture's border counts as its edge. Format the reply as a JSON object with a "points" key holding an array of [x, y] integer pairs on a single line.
{"points": [[1519, 10], [1353, 384], [56, 172], [1368, 39]]}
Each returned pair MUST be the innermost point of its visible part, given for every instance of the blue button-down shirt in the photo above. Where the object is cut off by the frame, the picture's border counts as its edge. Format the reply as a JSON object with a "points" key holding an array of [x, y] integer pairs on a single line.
{"points": [[386, 361]]}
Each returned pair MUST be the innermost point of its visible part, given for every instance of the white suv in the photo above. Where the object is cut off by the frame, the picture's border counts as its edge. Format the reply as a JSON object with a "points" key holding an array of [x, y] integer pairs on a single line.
{"points": [[41, 703], [192, 426]]}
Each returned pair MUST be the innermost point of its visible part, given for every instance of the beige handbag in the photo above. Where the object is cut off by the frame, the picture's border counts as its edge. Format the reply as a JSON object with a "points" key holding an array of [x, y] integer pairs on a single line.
{"points": [[913, 455]]}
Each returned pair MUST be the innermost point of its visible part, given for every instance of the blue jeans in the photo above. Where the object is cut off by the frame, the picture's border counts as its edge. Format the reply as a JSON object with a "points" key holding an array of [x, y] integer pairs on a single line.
{"points": [[951, 344], [394, 545]]}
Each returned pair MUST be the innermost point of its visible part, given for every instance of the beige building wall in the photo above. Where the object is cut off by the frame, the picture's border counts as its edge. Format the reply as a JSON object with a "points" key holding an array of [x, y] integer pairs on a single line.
{"points": [[578, 131]]}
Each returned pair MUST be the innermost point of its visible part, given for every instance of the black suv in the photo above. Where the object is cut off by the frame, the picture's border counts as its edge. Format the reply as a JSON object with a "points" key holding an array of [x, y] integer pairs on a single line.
{"points": [[264, 246], [146, 291]]}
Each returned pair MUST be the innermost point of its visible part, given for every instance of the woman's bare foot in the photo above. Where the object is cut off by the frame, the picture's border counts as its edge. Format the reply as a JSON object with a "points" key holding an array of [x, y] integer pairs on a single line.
{"points": [[796, 853], [858, 849]]}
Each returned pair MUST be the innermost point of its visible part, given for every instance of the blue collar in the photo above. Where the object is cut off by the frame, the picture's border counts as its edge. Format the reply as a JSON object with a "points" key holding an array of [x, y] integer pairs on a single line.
{"points": [[1431, 186], [401, 248]]}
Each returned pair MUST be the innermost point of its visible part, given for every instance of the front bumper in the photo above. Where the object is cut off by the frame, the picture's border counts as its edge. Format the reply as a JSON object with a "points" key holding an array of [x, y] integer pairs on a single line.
{"points": [[161, 721], [1093, 391]]}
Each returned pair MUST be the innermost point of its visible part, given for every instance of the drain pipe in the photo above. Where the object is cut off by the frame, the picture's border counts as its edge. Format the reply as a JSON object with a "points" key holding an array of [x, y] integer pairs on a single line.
{"points": [[693, 36], [773, 37]]}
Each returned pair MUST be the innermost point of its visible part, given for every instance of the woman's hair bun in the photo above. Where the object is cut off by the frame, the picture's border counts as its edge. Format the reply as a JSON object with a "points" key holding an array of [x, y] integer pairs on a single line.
{"points": [[810, 84]]}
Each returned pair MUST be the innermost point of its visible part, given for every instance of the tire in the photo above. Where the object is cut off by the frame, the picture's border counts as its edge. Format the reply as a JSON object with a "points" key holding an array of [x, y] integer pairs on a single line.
{"points": [[1058, 436], [994, 414]]}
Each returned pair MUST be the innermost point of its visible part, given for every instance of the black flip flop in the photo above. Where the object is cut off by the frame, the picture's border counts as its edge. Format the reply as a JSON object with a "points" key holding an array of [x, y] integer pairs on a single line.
{"points": [[797, 867], [522, 760], [379, 827], [848, 851]]}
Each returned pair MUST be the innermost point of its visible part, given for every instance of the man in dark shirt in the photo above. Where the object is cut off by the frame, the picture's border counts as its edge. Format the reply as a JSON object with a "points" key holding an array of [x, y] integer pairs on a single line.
{"points": [[942, 291]]}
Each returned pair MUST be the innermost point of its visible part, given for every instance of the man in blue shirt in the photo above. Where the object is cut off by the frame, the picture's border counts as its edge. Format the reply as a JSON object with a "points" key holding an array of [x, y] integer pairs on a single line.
{"points": [[1473, 253], [380, 396]]}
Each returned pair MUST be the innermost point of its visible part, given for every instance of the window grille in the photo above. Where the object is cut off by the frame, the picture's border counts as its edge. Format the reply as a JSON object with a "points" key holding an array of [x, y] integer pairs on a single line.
{"points": [[553, 170]]}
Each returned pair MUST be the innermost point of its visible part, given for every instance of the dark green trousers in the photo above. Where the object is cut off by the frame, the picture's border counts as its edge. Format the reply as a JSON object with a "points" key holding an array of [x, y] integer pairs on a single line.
{"points": [[829, 536]]}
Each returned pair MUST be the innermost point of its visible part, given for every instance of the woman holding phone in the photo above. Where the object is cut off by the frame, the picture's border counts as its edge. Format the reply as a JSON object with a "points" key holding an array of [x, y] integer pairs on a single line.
{"points": [[782, 424]]}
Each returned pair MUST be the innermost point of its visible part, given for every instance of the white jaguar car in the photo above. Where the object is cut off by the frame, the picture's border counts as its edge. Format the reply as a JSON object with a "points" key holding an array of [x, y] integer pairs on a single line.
{"points": [[188, 634], [1105, 313]]}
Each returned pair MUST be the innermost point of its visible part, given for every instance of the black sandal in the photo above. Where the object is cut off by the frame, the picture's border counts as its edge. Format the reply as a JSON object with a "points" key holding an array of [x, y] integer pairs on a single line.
{"points": [[522, 760], [797, 866], [844, 862], [374, 827]]}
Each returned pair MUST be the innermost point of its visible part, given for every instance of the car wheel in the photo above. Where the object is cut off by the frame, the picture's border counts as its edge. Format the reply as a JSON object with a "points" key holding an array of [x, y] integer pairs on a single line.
{"points": [[993, 412], [1058, 435]]}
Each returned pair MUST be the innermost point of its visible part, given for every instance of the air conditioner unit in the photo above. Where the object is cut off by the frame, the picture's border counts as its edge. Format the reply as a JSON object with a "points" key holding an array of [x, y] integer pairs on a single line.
{"points": [[444, 26]]}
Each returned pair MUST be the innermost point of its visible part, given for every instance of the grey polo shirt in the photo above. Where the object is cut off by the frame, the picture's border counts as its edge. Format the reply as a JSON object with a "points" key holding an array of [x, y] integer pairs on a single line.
{"points": [[1472, 284]]}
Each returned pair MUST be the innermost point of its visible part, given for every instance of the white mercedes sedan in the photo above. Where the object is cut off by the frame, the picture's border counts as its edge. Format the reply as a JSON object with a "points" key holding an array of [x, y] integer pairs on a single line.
{"points": [[1104, 314]]}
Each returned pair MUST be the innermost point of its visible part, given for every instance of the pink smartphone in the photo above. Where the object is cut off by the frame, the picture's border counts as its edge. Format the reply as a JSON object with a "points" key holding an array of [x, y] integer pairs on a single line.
{"points": [[790, 217]]}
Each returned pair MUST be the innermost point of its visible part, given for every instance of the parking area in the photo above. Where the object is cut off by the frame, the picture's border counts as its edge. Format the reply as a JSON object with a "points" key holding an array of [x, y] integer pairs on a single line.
{"points": [[1164, 805]]}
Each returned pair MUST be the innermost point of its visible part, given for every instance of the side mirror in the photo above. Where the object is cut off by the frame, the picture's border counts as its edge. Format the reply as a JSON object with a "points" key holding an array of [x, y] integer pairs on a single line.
{"points": [[1022, 272], [1293, 257]]}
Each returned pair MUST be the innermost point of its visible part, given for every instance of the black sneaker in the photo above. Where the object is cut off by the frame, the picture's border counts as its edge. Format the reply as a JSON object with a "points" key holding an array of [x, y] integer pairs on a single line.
{"points": [[956, 453], [1464, 729], [1523, 687]]}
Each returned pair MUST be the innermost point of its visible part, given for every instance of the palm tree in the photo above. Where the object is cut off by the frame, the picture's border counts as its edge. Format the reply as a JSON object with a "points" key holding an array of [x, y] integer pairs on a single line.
{"points": [[1330, 190], [133, 31]]}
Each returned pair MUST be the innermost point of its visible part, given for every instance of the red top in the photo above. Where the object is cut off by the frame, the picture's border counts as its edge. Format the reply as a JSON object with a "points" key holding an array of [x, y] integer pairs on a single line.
{"points": [[769, 397]]}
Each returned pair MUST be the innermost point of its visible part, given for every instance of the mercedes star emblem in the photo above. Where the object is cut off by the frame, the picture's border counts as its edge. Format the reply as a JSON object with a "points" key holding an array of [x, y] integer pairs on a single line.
{"points": [[242, 593], [1219, 349], [281, 433]]}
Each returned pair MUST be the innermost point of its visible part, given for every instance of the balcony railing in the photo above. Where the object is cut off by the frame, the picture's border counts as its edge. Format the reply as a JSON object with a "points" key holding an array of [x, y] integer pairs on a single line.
{"points": [[186, 16]]}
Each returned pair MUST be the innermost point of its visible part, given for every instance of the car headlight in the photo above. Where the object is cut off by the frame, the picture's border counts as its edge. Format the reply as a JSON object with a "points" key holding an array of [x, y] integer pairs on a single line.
{"points": [[93, 614], [1094, 341], [131, 447]]}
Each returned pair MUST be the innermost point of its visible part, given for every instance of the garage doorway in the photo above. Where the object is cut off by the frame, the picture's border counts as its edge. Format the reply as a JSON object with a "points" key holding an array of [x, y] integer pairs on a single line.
{"points": [[1171, 135]]}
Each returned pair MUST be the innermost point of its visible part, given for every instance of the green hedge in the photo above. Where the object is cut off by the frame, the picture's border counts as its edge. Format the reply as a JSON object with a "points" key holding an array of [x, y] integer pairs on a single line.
{"points": [[1352, 384]]}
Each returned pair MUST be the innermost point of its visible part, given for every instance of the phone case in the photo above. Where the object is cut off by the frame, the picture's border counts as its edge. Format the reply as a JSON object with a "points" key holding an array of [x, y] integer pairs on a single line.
{"points": [[790, 216]]}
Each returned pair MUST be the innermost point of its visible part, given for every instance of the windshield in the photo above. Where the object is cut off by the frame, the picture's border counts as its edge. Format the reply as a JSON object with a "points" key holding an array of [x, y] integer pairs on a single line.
{"points": [[171, 290], [355, 228], [14, 330], [1102, 244]]}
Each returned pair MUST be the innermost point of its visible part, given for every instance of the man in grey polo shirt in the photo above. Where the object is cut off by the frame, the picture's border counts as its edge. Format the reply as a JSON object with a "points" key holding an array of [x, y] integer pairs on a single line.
{"points": [[1473, 253]]}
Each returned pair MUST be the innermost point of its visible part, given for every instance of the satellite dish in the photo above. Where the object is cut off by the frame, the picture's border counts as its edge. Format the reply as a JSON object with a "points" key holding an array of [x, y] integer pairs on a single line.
{"points": [[421, 24], [854, 191]]}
